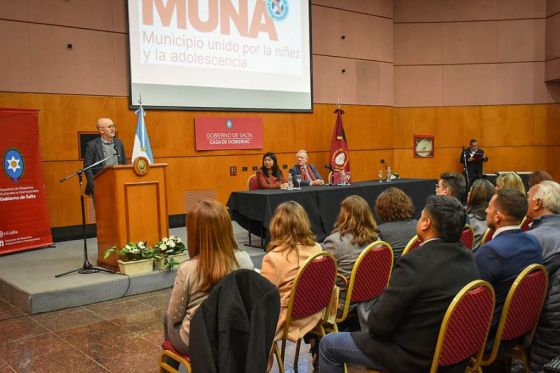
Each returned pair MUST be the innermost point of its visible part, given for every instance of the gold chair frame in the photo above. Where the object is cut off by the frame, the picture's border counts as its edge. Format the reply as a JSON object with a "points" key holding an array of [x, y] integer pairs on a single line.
{"points": [[280, 354], [165, 367], [518, 351]]}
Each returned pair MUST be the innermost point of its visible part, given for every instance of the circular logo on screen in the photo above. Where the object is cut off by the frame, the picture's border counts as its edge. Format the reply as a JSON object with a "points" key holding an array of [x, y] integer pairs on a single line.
{"points": [[277, 9], [13, 164], [229, 124], [141, 166]]}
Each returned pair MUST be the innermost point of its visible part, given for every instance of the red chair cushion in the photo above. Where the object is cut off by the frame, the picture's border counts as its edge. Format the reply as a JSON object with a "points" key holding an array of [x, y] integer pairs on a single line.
{"points": [[166, 345], [314, 289], [372, 275]]}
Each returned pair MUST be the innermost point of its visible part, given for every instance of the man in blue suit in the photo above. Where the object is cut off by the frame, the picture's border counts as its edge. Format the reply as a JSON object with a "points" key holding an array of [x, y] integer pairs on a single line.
{"points": [[308, 173], [510, 251]]}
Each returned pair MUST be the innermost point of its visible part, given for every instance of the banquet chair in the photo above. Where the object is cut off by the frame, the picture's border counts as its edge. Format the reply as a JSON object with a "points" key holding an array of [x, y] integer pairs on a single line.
{"points": [[521, 312], [465, 327], [169, 353], [252, 184], [370, 275], [526, 224], [312, 292], [412, 244], [487, 236], [467, 236]]}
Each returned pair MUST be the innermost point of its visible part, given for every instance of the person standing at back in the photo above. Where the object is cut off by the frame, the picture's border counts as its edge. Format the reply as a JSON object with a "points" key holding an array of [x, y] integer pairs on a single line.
{"points": [[473, 158], [104, 146]]}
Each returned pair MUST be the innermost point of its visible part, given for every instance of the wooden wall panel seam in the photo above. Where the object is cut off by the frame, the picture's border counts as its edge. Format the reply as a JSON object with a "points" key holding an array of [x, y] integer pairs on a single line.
{"points": [[471, 21], [352, 58], [351, 11], [63, 26], [472, 63]]}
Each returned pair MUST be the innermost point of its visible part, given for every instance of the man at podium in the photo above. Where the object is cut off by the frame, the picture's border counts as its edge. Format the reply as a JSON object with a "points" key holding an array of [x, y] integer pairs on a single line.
{"points": [[472, 159], [107, 147]]}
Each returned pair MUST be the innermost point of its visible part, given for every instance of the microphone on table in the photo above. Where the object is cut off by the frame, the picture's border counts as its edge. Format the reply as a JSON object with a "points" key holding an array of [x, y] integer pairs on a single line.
{"points": [[329, 167]]}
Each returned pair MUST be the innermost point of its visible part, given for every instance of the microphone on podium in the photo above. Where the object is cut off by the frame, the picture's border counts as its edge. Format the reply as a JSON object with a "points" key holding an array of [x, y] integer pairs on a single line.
{"points": [[117, 153]]}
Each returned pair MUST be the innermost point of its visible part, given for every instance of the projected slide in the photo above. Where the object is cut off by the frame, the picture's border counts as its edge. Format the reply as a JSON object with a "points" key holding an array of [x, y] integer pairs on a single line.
{"points": [[221, 54]]}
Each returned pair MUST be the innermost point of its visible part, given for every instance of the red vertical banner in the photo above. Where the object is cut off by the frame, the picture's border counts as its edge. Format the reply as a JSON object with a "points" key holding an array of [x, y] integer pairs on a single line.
{"points": [[24, 219], [339, 159]]}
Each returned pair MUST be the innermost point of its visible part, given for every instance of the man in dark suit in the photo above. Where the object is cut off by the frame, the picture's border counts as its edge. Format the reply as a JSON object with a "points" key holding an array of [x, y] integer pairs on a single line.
{"points": [[100, 148], [510, 251], [404, 324], [308, 172], [472, 158]]}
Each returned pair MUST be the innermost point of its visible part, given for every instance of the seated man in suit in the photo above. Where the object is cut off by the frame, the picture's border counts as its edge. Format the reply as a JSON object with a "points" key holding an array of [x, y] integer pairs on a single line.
{"points": [[509, 252], [403, 326], [308, 173], [544, 208]]}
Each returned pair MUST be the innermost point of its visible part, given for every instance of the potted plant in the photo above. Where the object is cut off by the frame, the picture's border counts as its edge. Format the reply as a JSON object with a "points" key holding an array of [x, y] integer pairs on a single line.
{"points": [[170, 252], [134, 257]]}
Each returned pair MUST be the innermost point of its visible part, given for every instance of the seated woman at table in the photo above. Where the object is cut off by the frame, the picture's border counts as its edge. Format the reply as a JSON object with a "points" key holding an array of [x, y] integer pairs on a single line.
{"points": [[213, 254], [396, 209], [477, 201], [291, 244], [353, 231], [269, 176]]}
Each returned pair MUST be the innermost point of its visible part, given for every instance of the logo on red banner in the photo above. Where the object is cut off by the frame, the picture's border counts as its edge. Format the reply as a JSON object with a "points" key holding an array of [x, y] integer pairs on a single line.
{"points": [[219, 133]]}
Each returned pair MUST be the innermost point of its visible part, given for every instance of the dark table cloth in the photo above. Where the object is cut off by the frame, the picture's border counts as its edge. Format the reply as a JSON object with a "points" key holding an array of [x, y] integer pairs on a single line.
{"points": [[253, 210]]}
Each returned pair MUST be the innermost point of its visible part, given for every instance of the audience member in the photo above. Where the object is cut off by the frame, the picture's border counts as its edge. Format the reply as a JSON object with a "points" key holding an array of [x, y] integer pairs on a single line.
{"points": [[308, 173], [290, 246], [477, 201], [269, 176], [510, 180], [510, 251], [451, 184], [396, 209], [213, 254], [404, 324], [538, 176], [353, 231], [544, 208]]}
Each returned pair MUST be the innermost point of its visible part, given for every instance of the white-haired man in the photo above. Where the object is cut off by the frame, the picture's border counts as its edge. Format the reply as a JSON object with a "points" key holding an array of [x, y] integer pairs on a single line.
{"points": [[544, 208], [308, 173]]}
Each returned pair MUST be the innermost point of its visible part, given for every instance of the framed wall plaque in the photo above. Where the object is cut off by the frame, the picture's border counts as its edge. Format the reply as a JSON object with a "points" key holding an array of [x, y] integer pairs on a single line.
{"points": [[423, 146]]}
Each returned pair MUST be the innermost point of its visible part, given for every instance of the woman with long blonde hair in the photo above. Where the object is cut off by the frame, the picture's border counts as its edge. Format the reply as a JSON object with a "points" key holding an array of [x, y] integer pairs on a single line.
{"points": [[290, 246], [510, 180], [213, 254]]}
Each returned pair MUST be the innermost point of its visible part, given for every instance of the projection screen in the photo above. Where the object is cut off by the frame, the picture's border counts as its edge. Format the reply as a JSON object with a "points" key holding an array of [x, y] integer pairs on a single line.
{"points": [[246, 55]]}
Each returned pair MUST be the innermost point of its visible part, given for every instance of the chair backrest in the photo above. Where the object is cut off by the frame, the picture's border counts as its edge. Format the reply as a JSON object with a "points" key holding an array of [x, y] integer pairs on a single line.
{"points": [[252, 182], [487, 236], [465, 325], [370, 275], [522, 307], [312, 288], [526, 224], [467, 236], [412, 244]]}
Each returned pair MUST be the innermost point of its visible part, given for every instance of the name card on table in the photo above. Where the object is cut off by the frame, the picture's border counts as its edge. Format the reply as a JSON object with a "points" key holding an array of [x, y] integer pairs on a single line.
{"points": [[219, 133]]}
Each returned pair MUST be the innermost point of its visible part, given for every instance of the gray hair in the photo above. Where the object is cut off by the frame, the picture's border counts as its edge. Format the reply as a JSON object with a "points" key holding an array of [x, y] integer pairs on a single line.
{"points": [[549, 193]]}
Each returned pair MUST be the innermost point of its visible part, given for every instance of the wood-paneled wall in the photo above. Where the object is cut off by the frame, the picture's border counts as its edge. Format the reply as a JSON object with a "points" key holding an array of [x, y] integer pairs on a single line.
{"points": [[516, 137]]}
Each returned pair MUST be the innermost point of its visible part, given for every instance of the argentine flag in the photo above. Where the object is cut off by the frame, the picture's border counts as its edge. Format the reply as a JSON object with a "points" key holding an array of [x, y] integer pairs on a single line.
{"points": [[142, 146]]}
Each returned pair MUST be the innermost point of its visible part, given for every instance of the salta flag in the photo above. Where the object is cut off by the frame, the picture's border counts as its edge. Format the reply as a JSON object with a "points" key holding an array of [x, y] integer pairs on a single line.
{"points": [[141, 146], [339, 159]]}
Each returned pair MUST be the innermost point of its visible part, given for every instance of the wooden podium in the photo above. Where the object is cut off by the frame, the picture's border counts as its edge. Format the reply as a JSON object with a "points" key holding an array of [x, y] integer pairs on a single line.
{"points": [[129, 207]]}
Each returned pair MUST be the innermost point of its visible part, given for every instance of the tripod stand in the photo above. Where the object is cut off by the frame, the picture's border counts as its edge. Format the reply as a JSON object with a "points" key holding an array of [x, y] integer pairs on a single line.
{"points": [[87, 267]]}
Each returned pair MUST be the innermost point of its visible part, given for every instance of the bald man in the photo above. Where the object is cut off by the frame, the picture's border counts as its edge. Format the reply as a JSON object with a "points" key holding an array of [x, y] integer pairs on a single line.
{"points": [[106, 145]]}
